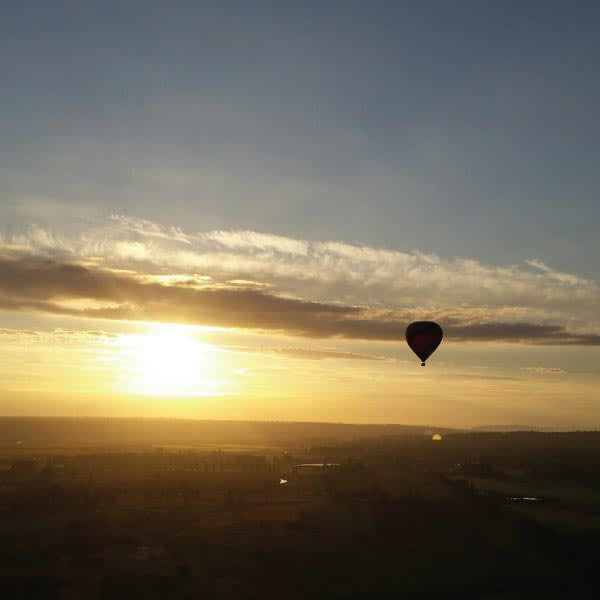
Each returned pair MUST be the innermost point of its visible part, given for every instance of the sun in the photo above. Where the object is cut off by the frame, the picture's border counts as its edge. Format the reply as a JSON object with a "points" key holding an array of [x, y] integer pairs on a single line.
{"points": [[169, 360]]}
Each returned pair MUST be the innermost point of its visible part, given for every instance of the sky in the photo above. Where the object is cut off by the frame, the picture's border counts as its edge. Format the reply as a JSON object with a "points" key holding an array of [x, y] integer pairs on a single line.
{"points": [[233, 210]]}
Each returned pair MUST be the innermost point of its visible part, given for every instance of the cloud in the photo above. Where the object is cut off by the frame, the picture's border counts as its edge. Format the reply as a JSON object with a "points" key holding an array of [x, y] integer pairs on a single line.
{"points": [[149, 229], [18, 332], [34, 283], [329, 271], [556, 275], [520, 332], [130, 268], [473, 376], [314, 354], [252, 240], [545, 370], [55, 334]]}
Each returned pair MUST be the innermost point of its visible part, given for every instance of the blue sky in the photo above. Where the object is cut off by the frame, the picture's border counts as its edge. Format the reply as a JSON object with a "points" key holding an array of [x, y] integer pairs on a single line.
{"points": [[423, 159], [459, 128]]}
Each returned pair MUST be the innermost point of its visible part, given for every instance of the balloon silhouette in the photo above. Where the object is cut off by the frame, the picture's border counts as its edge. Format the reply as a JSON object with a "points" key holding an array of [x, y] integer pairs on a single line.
{"points": [[424, 337]]}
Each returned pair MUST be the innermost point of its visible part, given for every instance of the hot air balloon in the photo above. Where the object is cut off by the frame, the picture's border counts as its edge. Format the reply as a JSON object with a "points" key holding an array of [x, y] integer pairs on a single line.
{"points": [[424, 337]]}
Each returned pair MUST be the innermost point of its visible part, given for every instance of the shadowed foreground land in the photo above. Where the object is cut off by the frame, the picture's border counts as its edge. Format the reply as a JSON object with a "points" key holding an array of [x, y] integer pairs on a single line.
{"points": [[88, 511]]}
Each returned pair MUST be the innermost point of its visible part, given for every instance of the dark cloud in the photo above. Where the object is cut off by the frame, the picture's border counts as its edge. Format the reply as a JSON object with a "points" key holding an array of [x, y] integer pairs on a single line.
{"points": [[30, 283], [315, 354], [15, 332], [520, 332], [545, 370], [472, 376]]}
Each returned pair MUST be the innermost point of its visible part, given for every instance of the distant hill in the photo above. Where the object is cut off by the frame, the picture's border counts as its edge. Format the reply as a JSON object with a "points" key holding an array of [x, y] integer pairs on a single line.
{"points": [[522, 428], [70, 431], [501, 428]]}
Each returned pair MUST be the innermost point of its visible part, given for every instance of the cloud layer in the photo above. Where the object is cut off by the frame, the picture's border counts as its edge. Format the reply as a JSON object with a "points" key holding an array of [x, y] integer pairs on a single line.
{"points": [[88, 290], [328, 271]]}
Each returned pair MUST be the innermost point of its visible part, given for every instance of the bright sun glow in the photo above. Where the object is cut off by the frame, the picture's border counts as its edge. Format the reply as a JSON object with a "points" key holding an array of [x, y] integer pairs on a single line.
{"points": [[170, 361]]}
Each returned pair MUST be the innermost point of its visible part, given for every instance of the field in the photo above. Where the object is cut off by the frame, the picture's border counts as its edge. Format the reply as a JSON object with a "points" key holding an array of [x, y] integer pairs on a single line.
{"points": [[395, 514]]}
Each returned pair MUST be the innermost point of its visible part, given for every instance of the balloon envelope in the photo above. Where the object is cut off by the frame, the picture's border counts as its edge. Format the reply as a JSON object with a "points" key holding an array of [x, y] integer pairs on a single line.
{"points": [[424, 337]]}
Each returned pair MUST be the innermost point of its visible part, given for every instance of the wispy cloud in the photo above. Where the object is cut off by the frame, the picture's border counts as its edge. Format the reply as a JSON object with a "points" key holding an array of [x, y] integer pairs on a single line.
{"points": [[325, 271], [545, 370], [129, 268], [34, 283], [316, 354], [252, 241], [149, 229], [56, 334]]}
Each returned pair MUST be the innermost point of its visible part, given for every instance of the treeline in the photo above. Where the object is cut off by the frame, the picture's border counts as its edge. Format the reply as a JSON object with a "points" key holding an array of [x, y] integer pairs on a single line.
{"points": [[47, 431]]}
